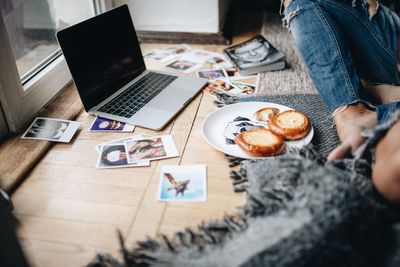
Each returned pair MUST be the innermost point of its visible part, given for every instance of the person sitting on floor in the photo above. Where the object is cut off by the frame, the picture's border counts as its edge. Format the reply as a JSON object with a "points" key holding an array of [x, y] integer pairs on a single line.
{"points": [[346, 43]]}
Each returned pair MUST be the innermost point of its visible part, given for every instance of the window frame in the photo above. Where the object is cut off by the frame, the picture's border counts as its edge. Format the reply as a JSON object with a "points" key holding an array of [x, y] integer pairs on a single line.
{"points": [[21, 98]]}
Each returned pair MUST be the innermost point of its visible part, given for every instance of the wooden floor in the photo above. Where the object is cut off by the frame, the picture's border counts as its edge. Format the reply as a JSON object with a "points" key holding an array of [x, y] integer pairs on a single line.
{"points": [[68, 210]]}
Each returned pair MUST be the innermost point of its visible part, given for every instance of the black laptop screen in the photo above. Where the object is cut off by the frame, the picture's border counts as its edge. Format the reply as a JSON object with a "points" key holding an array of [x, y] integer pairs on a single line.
{"points": [[103, 54]]}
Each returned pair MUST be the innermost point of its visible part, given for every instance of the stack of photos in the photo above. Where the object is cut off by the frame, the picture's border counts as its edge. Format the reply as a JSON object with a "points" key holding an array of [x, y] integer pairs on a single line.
{"points": [[106, 125], [230, 87], [221, 76], [51, 130], [182, 58], [112, 154], [254, 56], [135, 151], [234, 75], [226, 81], [183, 183]]}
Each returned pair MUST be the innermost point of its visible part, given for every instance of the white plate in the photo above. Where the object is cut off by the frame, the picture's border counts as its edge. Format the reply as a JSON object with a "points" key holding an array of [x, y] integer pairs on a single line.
{"points": [[214, 126]]}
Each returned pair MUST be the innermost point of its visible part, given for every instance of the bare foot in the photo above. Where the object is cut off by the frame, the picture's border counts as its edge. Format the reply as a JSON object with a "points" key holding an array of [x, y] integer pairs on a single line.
{"points": [[386, 172], [350, 123]]}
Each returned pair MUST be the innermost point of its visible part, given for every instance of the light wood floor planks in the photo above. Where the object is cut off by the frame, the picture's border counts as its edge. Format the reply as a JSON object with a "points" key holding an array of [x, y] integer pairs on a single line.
{"points": [[68, 210]]}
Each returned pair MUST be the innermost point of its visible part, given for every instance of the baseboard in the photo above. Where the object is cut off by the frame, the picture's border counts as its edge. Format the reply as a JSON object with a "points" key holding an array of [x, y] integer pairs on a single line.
{"points": [[221, 38], [183, 37]]}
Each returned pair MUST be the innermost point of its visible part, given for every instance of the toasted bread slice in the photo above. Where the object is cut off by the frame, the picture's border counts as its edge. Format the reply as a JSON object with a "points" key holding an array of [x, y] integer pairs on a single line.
{"points": [[291, 124], [260, 142], [265, 114]]}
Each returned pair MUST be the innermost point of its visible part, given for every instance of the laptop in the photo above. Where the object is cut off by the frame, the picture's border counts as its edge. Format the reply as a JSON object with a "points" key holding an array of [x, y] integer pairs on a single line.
{"points": [[106, 63]]}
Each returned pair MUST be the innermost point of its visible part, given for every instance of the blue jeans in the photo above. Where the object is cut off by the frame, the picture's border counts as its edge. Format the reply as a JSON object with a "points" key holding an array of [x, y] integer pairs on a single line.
{"points": [[341, 44]]}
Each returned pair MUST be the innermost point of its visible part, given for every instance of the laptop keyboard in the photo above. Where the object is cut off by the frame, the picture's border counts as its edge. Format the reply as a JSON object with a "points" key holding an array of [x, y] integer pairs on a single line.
{"points": [[137, 95]]}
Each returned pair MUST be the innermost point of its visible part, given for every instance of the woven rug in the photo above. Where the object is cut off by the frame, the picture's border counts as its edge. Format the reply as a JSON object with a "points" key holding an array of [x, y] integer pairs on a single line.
{"points": [[293, 79]]}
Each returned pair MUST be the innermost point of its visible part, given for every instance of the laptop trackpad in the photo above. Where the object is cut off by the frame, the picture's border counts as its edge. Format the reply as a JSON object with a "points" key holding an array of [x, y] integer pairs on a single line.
{"points": [[171, 99], [152, 118]]}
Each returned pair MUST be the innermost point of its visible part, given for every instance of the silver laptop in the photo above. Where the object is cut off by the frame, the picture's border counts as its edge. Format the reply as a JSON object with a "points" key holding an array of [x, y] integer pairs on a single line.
{"points": [[106, 63]]}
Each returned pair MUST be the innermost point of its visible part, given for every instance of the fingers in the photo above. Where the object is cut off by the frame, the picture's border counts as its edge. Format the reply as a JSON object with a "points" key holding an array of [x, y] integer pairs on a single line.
{"points": [[386, 172], [342, 151], [347, 147]]}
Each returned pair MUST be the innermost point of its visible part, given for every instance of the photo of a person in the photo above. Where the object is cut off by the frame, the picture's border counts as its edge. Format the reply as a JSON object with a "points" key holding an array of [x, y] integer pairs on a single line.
{"points": [[217, 60], [113, 155], [181, 65], [111, 125], [157, 54], [245, 89], [253, 52], [217, 85], [146, 149], [47, 129], [211, 74], [51, 130], [179, 49], [103, 124]]}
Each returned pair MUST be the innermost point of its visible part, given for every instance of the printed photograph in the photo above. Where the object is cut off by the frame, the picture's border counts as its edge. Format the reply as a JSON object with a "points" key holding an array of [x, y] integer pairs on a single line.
{"points": [[183, 183], [253, 52], [232, 72], [102, 124], [51, 130], [234, 75], [115, 156], [216, 60], [157, 54], [221, 86], [117, 141], [184, 66], [201, 55], [243, 88], [221, 65], [150, 148], [178, 49], [212, 75]]}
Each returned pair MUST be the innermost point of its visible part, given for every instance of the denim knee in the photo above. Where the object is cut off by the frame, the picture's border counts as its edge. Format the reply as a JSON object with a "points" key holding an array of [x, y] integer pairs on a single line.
{"points": [[294, 8]]}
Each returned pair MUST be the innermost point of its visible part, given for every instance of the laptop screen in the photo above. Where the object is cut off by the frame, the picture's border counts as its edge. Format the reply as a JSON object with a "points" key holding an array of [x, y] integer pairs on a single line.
{"points": [[103, 54]]}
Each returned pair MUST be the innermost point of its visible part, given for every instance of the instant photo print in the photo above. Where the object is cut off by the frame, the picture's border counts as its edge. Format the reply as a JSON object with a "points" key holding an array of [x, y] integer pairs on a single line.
{"points": [[115, 156], [150, 148], [183, 183], [51, 130], [212, 74], [106, 125]]}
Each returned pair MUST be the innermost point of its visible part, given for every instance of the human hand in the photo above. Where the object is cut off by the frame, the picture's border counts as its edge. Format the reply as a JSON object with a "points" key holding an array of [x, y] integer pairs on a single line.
{"points": [[386, 172]]}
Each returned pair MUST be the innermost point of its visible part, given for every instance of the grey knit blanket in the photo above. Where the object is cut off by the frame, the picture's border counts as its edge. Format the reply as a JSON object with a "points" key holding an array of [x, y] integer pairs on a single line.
{"points": [[300, 211]]}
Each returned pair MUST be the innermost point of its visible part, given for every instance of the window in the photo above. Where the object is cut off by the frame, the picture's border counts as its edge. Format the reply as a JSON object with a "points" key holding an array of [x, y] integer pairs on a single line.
{"points": [[32, 67]]}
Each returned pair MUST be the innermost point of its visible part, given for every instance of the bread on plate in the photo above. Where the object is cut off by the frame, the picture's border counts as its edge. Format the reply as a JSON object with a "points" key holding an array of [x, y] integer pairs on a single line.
{"points": [[265, 114], [291, 124], [260, 142]]}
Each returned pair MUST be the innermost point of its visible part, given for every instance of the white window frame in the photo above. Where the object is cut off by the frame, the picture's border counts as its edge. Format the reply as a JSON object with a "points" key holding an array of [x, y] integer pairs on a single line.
{"points": [[22, 100]]}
